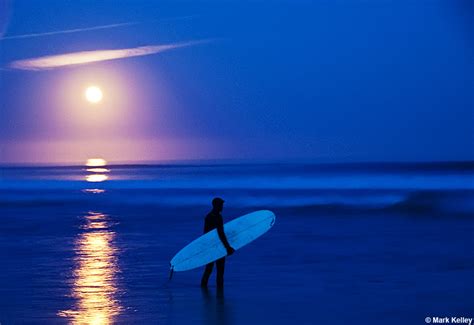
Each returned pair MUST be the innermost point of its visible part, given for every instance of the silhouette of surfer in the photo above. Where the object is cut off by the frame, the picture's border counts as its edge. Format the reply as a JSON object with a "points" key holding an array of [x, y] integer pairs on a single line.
{"points": [[214, 221]]}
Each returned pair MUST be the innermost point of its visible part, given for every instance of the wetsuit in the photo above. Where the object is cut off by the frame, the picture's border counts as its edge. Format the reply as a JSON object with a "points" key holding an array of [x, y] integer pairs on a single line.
{"points": [[214, 221]]}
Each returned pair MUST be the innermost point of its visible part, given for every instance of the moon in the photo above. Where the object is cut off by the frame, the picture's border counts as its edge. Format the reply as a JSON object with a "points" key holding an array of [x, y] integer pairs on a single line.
{"points": [[93, 94]]}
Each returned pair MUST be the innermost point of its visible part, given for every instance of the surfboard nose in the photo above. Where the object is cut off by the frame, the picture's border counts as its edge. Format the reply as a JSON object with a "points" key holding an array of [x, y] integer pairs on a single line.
{"points": [[271, 214], [273, 221]]}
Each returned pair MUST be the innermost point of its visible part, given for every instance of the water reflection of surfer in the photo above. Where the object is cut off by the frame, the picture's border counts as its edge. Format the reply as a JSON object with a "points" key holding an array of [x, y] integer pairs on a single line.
{"points": [[214, 221]]}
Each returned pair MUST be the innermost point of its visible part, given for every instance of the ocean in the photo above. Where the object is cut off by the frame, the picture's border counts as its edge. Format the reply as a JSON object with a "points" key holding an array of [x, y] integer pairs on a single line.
{"points": [[361, 243]]}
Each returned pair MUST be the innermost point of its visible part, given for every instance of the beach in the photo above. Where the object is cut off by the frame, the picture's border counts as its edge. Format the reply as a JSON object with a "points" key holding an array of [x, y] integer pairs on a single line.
{"points": [[352, 243]]}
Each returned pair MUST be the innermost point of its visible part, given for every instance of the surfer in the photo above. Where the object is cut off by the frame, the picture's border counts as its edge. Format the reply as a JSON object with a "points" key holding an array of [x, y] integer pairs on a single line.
{"points": [[214, 221]]}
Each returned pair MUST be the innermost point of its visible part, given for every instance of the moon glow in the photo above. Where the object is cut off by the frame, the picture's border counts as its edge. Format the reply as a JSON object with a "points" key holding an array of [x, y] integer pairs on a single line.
{"points": [[93, 94]]}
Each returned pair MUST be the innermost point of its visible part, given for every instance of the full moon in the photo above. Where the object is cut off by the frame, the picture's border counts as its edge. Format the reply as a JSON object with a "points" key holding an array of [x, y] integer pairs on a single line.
{"points": [[93, 94]]}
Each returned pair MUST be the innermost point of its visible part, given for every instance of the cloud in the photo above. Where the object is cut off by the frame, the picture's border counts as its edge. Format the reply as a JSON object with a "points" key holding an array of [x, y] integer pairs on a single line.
{"points": [[85, 57], [69, 31], [86, 29]]}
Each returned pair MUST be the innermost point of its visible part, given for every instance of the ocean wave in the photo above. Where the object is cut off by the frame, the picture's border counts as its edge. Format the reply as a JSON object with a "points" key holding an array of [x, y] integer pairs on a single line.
{"points": [[459, 202], [423, 188], [381, 182]]}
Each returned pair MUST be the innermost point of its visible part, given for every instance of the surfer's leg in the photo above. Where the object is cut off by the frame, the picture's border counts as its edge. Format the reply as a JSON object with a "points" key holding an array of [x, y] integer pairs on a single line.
{"points": [[220, 264], [207, 274]]}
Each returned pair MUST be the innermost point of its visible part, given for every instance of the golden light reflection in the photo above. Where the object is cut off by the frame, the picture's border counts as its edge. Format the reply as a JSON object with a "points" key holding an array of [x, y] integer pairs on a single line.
{"points": [[95, 274], [97, 175], [98, 170], [96, 162], [96, 178], [93, 190]]}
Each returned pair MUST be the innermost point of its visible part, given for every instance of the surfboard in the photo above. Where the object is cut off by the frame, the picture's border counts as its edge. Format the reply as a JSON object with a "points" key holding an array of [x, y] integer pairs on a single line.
{"points": [[209, 248]]}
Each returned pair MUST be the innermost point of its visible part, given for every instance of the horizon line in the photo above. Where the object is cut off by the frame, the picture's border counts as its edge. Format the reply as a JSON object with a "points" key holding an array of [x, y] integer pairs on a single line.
{"points": [[232, 161]]}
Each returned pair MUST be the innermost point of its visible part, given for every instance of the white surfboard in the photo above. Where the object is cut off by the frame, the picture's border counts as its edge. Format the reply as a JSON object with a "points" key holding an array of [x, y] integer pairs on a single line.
{"points": [[209, 248]]}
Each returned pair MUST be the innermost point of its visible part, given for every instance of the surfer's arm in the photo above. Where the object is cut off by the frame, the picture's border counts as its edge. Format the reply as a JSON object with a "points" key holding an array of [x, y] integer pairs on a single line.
{"points": [[223, 238]]}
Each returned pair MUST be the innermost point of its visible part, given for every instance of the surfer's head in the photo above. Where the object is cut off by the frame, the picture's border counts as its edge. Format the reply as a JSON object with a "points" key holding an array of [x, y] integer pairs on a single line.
{"points": [[217, 204]]}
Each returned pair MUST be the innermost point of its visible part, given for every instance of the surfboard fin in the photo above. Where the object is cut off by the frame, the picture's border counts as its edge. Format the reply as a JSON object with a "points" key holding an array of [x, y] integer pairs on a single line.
{"points": [[171, 272]]}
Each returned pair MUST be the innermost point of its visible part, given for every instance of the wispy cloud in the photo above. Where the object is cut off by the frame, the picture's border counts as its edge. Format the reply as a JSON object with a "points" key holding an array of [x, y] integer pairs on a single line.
{"points": [[85, 29], [68, 31], [85, 57]]}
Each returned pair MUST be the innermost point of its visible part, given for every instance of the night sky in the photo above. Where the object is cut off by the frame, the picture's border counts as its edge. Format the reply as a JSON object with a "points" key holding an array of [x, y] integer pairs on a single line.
{"points": [[354, 80]]}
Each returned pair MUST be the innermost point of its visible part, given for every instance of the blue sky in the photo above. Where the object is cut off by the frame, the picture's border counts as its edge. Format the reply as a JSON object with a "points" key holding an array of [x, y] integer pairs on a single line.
{"points": [[321, 80]]}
